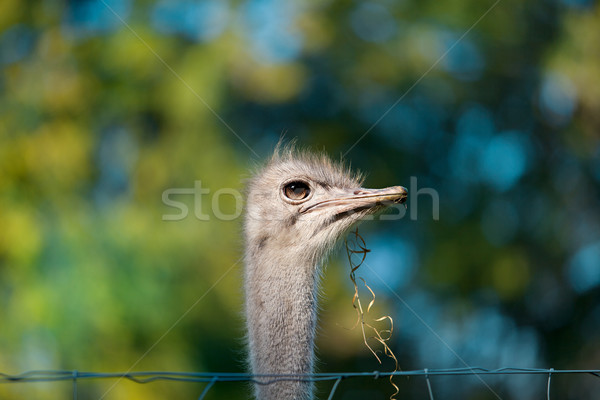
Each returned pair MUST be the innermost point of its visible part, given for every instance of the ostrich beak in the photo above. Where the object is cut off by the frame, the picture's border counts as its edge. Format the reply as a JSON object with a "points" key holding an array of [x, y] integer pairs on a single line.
{"points": [[360, 199]]}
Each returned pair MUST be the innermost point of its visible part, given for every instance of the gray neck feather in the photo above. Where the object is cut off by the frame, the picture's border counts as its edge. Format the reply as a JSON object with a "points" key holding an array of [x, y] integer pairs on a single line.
{"points": [[281, 304]]}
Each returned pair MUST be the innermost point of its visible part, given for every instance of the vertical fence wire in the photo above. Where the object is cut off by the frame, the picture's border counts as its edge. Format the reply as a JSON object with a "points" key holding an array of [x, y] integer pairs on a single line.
{"points": [[428, 384], [207, 388], [335, 385], [75, 376], [549, 380]]}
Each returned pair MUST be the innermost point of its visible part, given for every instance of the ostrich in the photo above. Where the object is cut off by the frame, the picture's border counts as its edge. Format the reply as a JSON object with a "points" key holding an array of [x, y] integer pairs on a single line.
{"points": [[298, 205]]}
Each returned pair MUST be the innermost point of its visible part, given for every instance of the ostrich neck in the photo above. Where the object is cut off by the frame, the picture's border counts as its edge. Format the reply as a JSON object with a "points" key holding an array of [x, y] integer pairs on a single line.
{"points": [[281, 309]]}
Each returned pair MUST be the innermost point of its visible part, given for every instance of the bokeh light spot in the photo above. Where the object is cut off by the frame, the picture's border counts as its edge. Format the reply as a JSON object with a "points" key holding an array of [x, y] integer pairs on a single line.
{"points": [[474, 127], [372, 22], [95, 16], [203, 21], [464, 61], [504, 160], [557, 99], [584, 268], [393, 260], [269, 25], [15, 43]]}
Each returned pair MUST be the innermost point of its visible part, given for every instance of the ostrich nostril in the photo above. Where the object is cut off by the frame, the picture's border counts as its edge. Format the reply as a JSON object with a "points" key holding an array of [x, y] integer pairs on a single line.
{"points": [[356, 192]]}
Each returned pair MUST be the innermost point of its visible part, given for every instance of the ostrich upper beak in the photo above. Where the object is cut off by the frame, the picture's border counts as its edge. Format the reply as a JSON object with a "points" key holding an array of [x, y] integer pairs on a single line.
{"points": [[360, 199]]}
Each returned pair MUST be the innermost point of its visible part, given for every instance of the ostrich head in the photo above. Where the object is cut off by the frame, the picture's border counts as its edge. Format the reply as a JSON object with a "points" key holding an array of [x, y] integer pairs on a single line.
{"points": [[306, 201], [297, 207]]}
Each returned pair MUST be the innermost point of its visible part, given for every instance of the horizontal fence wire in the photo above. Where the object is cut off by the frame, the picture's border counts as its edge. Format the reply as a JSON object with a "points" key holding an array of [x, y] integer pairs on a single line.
{"points": [[211, 378]]}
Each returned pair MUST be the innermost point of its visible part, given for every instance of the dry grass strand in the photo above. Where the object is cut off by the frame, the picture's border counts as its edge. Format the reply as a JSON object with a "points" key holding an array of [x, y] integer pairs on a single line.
{"points": [[357, 246]]}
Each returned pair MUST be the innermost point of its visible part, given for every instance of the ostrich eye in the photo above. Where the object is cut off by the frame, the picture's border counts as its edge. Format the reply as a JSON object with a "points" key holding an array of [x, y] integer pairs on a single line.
{"points": [[296, 190]]}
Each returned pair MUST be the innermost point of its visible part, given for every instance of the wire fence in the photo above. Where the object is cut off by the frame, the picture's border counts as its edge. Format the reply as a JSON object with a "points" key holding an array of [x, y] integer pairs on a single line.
{"points": [[213, 378]]}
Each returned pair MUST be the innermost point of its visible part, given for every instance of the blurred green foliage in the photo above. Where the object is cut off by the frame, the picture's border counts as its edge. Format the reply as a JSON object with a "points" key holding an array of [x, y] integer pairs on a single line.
{"points": [[107, 104]]}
